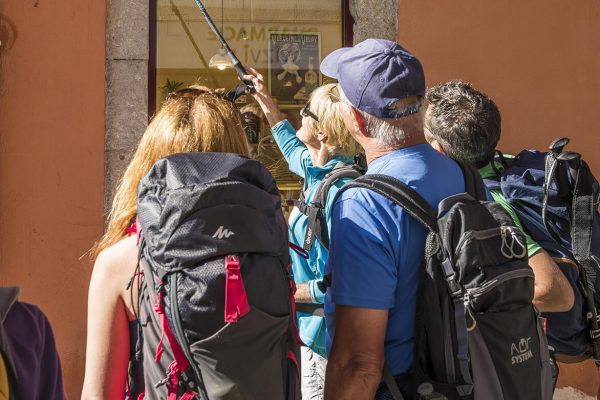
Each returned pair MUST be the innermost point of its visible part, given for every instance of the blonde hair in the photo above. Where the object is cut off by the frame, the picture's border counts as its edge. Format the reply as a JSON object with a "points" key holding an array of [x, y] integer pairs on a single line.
{"points": [[325, 102], [195, 119]]}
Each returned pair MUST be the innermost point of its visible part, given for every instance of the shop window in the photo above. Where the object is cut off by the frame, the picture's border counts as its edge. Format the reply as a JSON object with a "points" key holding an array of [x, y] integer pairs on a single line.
{"points": [[285, 40]]}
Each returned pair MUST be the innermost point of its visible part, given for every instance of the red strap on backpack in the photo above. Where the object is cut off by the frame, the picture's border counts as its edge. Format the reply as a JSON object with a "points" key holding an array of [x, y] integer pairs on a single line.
{"points": [[181, 364], [236, 301], [134, 229]]}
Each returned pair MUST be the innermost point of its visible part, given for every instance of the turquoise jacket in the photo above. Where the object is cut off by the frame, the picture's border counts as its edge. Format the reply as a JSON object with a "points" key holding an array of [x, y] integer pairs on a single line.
{"points": [[312, 328]]}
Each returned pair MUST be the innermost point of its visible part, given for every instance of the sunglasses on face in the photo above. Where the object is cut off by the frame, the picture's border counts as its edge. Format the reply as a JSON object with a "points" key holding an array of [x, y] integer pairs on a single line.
{"points": [[305, 112]]}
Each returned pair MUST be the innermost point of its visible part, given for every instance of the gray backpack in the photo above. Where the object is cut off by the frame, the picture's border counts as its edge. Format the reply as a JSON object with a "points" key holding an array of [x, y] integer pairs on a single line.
{"points": [[217, 286]]}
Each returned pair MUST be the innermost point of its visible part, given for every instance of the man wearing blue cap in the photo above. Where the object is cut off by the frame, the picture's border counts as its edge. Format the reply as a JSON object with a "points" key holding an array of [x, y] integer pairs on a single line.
{"points": [[376, 248]]}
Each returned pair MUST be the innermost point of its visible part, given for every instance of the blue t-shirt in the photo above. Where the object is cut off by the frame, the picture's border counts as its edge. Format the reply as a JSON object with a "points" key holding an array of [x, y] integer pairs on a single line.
{"points": [[376, 249]]}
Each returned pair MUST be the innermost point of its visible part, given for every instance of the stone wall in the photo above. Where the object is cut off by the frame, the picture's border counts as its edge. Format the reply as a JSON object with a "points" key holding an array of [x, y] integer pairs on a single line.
{"points": [[126, 113], [374, 19]]}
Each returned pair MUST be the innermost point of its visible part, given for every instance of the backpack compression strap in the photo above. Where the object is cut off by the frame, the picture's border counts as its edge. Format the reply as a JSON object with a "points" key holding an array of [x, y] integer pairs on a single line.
{"points": [[582, 216], [317, 223], [555, 168]]}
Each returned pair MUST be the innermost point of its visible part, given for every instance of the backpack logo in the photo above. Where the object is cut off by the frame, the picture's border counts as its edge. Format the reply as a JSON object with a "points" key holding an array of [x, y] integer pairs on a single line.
{"points": [[223, 232], [520, 351]]}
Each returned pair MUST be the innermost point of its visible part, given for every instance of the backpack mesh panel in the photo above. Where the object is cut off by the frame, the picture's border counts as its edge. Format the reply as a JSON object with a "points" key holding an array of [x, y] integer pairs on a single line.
{"points": [[201, 292]]}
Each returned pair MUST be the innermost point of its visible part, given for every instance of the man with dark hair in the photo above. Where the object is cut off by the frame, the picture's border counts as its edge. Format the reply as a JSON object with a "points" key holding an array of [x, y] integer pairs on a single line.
{"points": [[465, 124], [468, 122], [376, 248]]}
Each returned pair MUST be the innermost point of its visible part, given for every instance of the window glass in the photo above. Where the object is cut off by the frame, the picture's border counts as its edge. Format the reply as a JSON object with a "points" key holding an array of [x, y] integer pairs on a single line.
{"points": [[285, 40]]}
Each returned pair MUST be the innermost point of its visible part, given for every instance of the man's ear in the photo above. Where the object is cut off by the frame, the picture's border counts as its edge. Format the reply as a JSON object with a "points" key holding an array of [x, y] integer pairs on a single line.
{"points": [[436, 145], [359, 122]]}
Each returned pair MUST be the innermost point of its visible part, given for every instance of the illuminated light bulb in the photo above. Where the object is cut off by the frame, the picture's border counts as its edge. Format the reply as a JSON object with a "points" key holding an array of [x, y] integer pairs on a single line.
{"points": [[220, 60]]}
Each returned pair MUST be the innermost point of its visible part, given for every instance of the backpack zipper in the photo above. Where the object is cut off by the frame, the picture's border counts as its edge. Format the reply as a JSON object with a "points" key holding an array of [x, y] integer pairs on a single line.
{"points": [[500, 279], [180, 336], [480, 235], [505, 232]]}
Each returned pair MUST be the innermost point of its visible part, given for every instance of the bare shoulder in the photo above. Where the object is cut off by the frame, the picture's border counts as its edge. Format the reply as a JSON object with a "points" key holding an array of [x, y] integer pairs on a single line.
{"points": [[116, 264]]}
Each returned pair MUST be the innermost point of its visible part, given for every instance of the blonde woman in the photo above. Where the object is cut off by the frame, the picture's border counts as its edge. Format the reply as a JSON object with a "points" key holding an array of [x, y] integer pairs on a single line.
{"points": [[312, 153], [191, 120]]}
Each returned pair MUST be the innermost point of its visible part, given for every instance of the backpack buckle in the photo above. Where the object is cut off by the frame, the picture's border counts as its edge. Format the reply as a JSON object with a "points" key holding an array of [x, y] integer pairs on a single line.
{"points": [[456, 290], [232, 262]]}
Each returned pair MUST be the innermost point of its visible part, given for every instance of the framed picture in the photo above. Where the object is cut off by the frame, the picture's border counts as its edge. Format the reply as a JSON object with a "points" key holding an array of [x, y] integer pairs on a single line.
{"points": [[294, 59]]}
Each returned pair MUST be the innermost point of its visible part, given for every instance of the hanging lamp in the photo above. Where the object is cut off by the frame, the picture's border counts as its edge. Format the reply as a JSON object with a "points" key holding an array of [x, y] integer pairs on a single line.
{"points": [[220, 60]]}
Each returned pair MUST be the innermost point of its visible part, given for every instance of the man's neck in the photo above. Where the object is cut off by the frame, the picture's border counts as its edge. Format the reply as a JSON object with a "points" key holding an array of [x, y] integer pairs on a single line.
{"points": [[374, 150]]}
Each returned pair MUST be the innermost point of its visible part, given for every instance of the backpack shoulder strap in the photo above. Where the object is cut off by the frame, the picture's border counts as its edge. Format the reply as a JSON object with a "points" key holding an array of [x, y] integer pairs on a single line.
{"points": [[400, 193], [473, 182], [317, 222], [181, 370], [391, 383], [499, 164], [339, 171]]}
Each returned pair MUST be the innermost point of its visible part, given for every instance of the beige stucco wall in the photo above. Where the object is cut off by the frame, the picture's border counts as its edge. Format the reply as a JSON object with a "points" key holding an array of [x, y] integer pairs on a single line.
{"points": [[538, 59], [51, 160]]}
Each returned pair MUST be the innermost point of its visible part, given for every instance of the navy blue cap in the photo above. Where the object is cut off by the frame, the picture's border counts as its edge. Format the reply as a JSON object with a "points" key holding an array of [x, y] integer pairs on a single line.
{"points": [[375, 74]]}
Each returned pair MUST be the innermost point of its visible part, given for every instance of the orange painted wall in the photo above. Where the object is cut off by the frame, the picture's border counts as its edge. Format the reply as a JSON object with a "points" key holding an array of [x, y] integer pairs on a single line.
{"points": [[538, 59], [540, 62], [52, 160]]}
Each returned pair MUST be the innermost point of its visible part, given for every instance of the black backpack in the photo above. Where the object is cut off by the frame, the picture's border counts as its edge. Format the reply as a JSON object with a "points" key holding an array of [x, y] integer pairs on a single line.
{"points": [[214, 254], [556, 197], [477, 334]]}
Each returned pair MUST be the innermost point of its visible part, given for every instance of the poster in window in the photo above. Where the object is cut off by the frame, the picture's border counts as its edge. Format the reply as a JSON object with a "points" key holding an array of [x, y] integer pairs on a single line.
{"points": [[294, 59]]}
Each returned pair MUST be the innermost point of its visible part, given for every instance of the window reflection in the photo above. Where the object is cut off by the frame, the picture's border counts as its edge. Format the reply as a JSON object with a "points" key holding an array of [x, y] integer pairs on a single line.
{"points": [[285, 40]]}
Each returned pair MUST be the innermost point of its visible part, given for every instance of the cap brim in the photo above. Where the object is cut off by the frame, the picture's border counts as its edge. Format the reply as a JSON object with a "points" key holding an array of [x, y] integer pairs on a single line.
{"points": [[329, 65]]}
